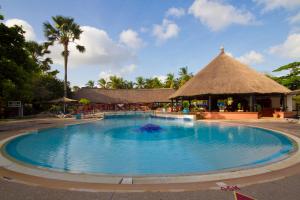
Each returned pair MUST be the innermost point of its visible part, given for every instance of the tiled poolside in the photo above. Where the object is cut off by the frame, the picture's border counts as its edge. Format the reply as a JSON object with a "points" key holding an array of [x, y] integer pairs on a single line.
{"points": [[281, 184]]}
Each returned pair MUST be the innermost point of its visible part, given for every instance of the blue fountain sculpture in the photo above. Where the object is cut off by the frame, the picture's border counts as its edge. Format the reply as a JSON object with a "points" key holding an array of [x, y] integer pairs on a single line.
{"points": [[150, 128]]}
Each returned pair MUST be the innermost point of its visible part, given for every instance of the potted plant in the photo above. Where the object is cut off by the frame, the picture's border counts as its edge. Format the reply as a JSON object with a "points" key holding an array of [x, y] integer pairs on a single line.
{"points": [[240, 109], [186, 107]]}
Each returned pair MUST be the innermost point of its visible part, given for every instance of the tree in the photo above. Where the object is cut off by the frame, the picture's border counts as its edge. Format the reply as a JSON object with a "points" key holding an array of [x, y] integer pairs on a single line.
{"points": [[64, 31], [90, 84], [184, 76], [17, 68], [115, 82], [153, 83], [37, 52], [102, 83], [128, 84], [292, 79], [140, 82], [170, 81]]}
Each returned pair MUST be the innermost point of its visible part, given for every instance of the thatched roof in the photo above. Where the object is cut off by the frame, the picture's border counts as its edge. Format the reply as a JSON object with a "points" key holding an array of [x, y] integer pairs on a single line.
{"points": [[226, 75], [62, 100], [114, 96]]}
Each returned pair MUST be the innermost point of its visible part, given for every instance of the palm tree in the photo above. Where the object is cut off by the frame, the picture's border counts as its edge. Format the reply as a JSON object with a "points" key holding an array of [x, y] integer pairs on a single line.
{"points": [[170, 81], [153, 83], [140, 82], [64, 31], [102, 83], [184, 76], [90, 84], [116, 82]]}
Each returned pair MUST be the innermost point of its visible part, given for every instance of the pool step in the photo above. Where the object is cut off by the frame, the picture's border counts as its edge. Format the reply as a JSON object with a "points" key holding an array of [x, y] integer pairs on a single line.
{"points": [[126, 180]]}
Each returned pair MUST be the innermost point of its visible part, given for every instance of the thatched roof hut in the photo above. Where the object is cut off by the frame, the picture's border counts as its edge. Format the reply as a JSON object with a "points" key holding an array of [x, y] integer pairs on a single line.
{"points": [[226, 75], [124, 96]]}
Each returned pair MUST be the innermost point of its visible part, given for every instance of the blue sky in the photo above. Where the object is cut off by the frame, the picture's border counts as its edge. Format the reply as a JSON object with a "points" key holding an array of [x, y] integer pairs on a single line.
{"points": [[134, 38]]}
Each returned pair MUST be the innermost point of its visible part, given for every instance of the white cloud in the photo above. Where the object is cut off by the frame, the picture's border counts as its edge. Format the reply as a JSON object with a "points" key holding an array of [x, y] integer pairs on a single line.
{"points": [[128, 69], [162, 78], [251, 57], [121, 72], [294, 19], [166, 30], [131, 39], [175, 12], [106, 74], [29, 32], [274, 4], [217, 15], [290, 48], [101, 51]]}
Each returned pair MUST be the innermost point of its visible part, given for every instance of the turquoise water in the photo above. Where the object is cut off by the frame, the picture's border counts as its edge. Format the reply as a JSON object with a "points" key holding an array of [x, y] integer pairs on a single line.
{"points": [[149, 146]]}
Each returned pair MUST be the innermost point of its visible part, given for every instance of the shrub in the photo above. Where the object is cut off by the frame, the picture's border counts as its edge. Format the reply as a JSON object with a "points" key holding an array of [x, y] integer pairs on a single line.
{"points": [[84, 101]]}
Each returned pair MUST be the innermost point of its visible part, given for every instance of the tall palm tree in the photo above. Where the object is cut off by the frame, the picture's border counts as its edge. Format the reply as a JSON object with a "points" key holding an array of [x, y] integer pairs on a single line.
{"points": [[64, 31], [102, 83], [140, 82], [184, 76], [170, 81], [90, 84]]}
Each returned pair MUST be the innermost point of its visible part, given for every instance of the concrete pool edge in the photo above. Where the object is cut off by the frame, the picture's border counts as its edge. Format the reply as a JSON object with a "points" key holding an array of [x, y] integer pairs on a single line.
{"points": [[10, 165]]}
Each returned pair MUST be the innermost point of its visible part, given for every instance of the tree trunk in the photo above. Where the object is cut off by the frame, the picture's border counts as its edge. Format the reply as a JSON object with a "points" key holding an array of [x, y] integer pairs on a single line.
{"points": [[66, 68], [66, 54]]}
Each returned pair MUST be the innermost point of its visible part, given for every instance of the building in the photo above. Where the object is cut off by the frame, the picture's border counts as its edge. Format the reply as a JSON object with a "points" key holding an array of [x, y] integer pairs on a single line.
{"points": [[124, 99], [224, 80]]}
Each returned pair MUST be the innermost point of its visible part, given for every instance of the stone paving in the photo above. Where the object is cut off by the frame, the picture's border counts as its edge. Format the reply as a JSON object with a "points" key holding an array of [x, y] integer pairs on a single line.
{"points": [[285, 188]]}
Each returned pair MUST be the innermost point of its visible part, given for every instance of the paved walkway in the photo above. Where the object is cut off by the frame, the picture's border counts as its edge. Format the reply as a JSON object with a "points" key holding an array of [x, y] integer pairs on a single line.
{"points": [[285, 188]]}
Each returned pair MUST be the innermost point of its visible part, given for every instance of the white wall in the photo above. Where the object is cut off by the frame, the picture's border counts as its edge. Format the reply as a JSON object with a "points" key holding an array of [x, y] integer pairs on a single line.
{"points": [[289, 102]]}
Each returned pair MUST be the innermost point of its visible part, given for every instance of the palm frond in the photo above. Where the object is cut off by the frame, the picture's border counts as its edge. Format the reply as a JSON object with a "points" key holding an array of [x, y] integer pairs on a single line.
{"points": [[80, 48]]}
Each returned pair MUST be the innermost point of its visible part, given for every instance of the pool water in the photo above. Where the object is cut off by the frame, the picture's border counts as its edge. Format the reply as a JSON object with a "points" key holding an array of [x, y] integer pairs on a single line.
{"points": [[149, 146]]}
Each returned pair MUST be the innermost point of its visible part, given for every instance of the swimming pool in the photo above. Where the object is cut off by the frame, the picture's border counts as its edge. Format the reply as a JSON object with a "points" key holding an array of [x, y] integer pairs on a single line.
{"points": [[145, 145]]}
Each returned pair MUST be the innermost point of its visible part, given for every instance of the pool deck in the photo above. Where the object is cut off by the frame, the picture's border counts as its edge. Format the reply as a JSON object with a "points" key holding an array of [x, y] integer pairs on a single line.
{"points": [[280, 184]]}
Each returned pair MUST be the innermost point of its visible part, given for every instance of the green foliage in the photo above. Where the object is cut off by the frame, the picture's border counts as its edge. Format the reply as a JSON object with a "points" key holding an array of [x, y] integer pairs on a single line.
{"points": [[239, 106], [140, 82], [184, 76], [47, 87], [90, 84], [292, 79], [17, 68], [185, 104], [84, 101], [102, 83], [153, 83]]}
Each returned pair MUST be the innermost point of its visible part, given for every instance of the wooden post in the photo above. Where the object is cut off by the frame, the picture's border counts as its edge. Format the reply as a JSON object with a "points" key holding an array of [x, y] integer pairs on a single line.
{"points": [[251, 103], [209, 103]]}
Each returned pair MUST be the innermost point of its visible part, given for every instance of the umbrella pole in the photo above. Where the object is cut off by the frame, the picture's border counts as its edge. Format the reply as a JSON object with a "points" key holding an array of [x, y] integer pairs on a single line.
{"points": [[64, 108]]}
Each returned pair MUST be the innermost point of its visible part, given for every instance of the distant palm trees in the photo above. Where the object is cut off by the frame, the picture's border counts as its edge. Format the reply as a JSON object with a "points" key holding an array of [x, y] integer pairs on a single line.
{"points": [[102, 83], [90, 84], [140, 82], [115, 82], [184, 76], [64, 31]]}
